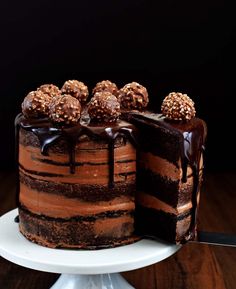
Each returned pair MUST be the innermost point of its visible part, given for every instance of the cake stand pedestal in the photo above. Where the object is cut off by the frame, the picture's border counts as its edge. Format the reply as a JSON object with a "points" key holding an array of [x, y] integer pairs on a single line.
{"points": [[80, 269]]}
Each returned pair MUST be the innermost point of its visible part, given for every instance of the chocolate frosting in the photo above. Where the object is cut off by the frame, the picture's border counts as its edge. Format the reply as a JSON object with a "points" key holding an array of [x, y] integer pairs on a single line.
{"points": [[48, 134]]}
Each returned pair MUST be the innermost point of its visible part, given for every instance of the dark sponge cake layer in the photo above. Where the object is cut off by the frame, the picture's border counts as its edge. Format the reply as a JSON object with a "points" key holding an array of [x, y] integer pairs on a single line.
{"points": [[150, 223], [164, 188], [78, 232]]}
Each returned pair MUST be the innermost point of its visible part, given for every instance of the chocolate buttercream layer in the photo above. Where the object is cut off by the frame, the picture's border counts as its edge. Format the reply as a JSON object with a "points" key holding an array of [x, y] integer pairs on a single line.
{"points": [[149, 201], [104, 232], [156, 223], [171, 192], [163, 167], [88, 193]]}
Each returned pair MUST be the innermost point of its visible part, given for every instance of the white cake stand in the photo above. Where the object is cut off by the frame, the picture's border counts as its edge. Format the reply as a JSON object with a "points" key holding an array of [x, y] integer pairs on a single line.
{"points": [[80, 269]]}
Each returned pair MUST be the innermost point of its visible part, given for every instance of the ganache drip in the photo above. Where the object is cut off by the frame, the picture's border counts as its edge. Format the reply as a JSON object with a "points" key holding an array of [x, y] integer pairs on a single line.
{"points": [[48, 135], [193, 148]]}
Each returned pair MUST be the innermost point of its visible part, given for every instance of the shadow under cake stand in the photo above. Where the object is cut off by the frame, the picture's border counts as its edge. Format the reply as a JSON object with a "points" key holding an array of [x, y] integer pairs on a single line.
{"points": [[80, 269]]}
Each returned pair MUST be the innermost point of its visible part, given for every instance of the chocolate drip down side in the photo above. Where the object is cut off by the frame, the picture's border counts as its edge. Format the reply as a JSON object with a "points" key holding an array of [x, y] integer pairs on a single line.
{"points": [[192, 150], [48, 135]]}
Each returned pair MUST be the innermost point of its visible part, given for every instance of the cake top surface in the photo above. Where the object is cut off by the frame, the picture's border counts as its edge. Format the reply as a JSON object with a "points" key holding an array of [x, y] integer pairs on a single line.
{"points": [[160, 120], [71, 106]]}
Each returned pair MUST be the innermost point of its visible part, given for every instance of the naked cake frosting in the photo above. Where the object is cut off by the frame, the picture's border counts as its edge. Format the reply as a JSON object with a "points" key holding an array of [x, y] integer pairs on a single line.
{"points": [[103, 171]]}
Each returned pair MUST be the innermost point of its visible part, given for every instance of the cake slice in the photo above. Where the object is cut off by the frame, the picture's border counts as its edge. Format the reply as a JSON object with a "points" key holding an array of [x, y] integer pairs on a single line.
{"points": [[169, 169]]}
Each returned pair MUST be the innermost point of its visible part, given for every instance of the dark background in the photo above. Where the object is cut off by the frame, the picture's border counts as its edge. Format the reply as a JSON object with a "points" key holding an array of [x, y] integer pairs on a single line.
{"points": [[186, 46]]}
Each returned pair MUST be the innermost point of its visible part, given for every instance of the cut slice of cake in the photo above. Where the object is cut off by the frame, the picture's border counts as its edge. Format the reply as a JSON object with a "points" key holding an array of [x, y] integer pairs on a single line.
{"points": [[169, 169]]}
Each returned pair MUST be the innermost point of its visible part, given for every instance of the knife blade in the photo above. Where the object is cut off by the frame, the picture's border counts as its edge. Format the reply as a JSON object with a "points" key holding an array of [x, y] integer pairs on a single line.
{"points": [[215, 238]]}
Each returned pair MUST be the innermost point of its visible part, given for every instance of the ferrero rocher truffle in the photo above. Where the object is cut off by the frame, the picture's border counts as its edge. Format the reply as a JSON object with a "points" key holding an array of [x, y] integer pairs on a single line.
{"points": [[133, 96], [36, 104], [106, 85], [65, 110], [104, 107], [76, 89], [50, 89], [178, 106]]}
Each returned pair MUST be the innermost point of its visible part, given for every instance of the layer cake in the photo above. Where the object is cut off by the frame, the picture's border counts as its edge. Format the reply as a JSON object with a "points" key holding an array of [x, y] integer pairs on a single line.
{"points": [[107, 172]]}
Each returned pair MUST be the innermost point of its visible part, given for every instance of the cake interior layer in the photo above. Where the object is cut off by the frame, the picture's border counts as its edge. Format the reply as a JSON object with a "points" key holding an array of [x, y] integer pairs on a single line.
{"points": [[73, 233], [151, 202], [163, 167], [173, 193], [156, 223], [164, 179]]}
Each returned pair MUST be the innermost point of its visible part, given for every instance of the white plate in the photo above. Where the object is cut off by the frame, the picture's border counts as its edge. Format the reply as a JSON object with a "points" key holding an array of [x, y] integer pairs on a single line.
{"points": [[17, 249]]}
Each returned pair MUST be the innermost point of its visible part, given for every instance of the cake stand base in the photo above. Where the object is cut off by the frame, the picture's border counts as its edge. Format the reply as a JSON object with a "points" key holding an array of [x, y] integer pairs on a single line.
{"points": [[80, 269], [100, 281]]}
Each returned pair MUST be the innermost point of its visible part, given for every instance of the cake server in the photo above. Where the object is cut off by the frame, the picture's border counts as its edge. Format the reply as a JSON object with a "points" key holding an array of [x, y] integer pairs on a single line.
{"points": [[215, 238]]}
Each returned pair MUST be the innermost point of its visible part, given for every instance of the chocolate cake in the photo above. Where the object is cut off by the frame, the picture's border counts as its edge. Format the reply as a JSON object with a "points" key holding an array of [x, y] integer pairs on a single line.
{"points": [[76, 181], [79, 183]]}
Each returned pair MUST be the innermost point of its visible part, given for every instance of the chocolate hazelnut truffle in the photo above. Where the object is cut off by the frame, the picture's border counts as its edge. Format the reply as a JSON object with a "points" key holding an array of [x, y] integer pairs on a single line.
{"points": [[133, 96], [36, 104], [106, 85], [104, 107], [65, 110], [50, 89], [76, 89], [178, 106]]}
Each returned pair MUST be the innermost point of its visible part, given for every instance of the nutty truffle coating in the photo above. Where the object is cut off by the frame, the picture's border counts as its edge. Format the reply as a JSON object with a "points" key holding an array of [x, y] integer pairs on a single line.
{"points": [[106, 85], [104, 107], [50, 89], [36, 104], [65, 110], [76, 89], [178, 106], [133, 96]]}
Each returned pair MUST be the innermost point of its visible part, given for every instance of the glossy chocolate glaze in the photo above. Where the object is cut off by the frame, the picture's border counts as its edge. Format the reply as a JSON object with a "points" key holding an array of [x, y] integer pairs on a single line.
{"points": [[17, 220], [192, 136], [48, 134]]}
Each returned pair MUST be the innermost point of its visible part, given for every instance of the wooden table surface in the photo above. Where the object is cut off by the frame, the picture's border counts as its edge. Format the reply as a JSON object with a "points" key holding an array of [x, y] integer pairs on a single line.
{"points": [[195, 266]]}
